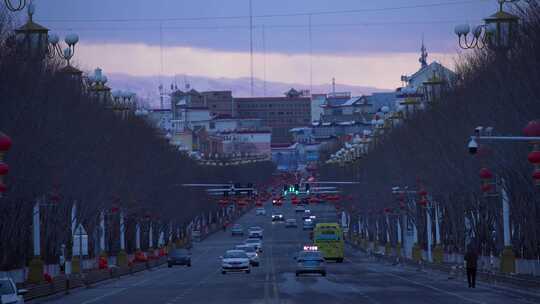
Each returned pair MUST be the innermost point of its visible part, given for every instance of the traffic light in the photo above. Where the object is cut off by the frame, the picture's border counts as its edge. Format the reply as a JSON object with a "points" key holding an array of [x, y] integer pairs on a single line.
{"points": [[285, 189], [307, 188], [296, 188]]}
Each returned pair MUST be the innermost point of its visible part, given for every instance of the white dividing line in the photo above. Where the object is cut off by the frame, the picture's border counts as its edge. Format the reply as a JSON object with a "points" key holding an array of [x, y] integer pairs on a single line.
{"points": [[425, 285], [104, 296]]}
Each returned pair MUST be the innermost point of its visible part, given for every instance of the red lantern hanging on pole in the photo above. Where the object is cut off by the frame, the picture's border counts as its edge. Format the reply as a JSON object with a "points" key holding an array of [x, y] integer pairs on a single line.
{"points": [[5, 144]]}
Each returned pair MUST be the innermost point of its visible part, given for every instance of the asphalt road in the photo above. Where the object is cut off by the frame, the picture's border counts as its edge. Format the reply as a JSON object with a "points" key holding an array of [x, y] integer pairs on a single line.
{"points": [[358, 280]]}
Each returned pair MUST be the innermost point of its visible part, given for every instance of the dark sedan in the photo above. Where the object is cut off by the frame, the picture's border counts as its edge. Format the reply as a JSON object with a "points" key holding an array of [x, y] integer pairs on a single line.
{"points": [[179, 257]]}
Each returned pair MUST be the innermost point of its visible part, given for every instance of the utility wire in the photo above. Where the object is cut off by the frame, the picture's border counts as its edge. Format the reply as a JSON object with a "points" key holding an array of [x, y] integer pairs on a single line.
{"points": [[282, 26], [316, 13]]}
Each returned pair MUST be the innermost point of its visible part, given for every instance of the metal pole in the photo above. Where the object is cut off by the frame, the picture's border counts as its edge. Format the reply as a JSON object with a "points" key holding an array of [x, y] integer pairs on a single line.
{"points": [[437, 227], [122, 231], [429, 235], [36, 230], [387, 229], [150, 236], [506, 215], [102, 231], [138, 237], [251, 44], [398, 226]]}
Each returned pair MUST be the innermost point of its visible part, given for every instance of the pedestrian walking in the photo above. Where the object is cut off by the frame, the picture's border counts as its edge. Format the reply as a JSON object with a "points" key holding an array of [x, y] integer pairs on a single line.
{"points": [[470, 260]]}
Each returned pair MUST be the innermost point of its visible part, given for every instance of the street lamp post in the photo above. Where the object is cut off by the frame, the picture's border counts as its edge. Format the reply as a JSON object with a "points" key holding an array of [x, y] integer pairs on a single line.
{"points": [[31, 38], [97, 85], [56, 50], [497, 32], [532, 136]]}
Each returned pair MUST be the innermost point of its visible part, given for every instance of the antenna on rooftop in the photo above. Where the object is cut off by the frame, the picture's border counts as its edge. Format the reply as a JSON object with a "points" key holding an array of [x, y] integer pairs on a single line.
{"points": [[310, 58], [251, 44], [333, 86], [161, 90]]}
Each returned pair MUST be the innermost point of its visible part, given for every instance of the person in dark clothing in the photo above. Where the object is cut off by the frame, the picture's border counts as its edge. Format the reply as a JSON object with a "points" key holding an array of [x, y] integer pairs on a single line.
{"points": [[471, 259]]}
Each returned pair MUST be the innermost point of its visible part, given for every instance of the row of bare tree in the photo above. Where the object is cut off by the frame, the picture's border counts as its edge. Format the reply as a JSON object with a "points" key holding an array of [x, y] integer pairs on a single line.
{"points": [[69, 148], [430, 150]]}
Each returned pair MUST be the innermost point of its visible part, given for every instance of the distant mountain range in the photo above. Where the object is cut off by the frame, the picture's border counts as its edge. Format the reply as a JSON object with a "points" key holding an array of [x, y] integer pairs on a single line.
{"points": [[146, 87]]}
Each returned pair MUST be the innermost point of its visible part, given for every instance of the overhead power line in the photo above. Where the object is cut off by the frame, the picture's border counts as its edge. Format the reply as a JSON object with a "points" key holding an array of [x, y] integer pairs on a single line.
{"points": [[276, 26], [296, 14]]}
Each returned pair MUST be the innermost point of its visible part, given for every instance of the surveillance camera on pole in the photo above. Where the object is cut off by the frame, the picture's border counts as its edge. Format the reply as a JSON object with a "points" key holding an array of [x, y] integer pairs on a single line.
{"points": [[473, 146], [478, 130]]}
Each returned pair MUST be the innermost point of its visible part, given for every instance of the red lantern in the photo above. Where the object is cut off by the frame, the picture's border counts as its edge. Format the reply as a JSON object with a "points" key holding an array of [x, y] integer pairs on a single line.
{"points": [[114, 209], [486, 188], [423, 202], [4, 169], [534, 157], [55, 197], [386, 210], [536, 176], [485, 173], [532, 128], [422, 192], [5, 142]]}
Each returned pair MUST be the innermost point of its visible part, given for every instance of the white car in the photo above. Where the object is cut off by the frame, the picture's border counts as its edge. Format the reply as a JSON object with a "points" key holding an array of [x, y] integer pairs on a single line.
{"points": [[255, 232], [260, 211], [251, 251], [257, 243], [9, 292], [300, 208], [235, 261]]}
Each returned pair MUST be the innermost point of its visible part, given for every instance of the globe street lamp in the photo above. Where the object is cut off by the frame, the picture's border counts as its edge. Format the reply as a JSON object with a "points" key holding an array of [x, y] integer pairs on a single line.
{"points": [[497, 32], [123, 102], [97, 84], [55, 50], [17, 5], [31, 38]]}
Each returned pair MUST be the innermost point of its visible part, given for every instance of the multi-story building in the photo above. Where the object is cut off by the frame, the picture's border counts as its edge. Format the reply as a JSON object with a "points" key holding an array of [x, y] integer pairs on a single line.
{"points": [[278, 113], [219, 103]]}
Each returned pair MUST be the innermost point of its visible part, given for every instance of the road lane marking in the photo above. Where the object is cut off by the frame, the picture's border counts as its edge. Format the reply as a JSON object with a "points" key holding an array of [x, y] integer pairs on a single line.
{"points": [[104, 296], [423, 285]]}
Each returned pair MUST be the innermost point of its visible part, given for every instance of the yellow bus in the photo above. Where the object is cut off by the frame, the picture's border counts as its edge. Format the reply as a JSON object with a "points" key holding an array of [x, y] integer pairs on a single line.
{"points": [[328, 238]]}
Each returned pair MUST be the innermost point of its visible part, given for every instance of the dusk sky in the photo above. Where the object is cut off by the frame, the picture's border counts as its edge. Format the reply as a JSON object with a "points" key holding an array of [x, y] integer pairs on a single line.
{"points": [[372, 44]]}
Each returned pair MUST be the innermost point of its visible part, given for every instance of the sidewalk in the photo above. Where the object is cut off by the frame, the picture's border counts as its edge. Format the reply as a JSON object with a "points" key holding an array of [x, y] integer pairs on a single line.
{"points": [[65, 283], [456, 271]]}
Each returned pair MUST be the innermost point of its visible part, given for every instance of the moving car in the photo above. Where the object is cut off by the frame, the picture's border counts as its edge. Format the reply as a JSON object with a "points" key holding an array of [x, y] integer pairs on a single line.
{"points": [[307, 214], [179, 257], [251, 251], [235, 261], [277, 217], [260, 211], [310, 260], [308, 224], [237, 230], [291, 223], [255, 232], [9, 292], [257, 243], [299, 208]]}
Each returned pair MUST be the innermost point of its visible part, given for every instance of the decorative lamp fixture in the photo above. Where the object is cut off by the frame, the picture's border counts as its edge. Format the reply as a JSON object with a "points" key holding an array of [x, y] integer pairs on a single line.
{"points": [[497, 32], [433, 88], [15, 6], [55, 50], [32, 38], [501, 28], [97, 84]]}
